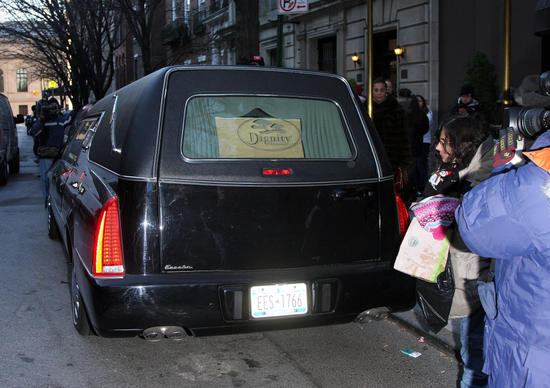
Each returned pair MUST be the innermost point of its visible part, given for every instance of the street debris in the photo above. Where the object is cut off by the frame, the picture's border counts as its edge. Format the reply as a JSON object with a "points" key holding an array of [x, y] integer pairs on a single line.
{"points": [[411, 353], [422, 340]]}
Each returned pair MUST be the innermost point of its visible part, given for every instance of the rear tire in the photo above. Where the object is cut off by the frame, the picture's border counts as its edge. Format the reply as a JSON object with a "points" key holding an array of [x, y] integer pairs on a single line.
{"points": [[14, 164], [53, 232], [80, 317], [3, 173]]}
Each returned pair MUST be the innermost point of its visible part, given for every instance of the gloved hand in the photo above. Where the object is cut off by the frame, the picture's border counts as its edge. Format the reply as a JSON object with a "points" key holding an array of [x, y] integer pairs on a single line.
{"points": [[509, 148]]}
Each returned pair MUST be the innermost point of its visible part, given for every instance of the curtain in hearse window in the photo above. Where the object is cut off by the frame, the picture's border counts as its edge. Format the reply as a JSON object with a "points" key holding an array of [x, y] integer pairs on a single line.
{"points": [[235, 127]]}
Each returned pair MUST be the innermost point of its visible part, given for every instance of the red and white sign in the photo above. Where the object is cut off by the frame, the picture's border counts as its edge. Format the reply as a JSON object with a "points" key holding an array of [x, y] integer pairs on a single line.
{"points": [[293, 6]]}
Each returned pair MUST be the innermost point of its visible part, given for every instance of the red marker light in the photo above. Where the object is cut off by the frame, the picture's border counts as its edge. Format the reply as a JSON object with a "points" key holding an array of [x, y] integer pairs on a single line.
{"points": [[276, 171]]}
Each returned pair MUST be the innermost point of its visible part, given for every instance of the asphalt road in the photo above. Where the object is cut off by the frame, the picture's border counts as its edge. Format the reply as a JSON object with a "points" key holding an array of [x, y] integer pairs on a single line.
{"points": [[40, 348]]}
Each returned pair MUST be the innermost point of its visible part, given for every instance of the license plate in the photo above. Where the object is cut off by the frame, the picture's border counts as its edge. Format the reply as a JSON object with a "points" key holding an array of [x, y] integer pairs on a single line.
{"points": [[278, 300]]}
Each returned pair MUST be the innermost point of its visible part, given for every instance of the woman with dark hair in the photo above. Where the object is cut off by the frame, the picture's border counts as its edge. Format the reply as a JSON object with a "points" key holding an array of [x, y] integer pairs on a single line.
{"points": [[463, 158], [456, 142]]}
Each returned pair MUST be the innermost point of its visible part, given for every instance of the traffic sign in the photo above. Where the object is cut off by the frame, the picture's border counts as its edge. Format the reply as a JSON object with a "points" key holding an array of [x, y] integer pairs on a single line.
{"points": [[293, 6]]}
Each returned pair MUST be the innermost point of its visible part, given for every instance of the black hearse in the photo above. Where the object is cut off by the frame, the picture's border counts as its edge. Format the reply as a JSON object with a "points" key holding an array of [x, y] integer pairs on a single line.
{"points": [[205, 200]]}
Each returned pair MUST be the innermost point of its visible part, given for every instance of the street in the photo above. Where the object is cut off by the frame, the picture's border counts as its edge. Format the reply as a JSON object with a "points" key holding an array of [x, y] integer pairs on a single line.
{"points": [[42, 349]]}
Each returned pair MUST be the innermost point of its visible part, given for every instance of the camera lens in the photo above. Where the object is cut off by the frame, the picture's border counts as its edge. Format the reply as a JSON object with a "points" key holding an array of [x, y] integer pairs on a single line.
{"points": [[531, 122]]}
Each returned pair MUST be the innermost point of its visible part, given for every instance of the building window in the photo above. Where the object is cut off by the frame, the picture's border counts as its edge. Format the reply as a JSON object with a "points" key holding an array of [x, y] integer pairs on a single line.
{"points": [[23, 110], [21, 79], [1, 81], [186, 12]]}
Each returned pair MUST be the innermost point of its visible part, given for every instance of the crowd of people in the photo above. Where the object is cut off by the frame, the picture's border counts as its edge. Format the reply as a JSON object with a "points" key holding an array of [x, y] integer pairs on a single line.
{"points": [[499, 257]]}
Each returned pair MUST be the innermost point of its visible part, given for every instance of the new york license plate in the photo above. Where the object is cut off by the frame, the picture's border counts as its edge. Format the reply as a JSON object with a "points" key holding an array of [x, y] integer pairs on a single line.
{"points": [[277, 300]]}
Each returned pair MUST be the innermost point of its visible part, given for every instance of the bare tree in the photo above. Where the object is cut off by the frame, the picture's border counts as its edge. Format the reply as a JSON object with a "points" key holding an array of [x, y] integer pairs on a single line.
{"points": [[140, 16], [68, 40]]}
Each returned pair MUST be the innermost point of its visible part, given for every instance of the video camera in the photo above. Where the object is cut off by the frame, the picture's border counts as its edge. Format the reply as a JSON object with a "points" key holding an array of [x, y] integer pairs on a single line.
{"points": [[45, 109], [533, 119]]}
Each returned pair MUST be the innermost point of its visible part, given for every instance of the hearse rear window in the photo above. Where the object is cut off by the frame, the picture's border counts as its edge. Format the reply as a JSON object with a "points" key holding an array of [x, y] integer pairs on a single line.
{"points": [[263, 127]]}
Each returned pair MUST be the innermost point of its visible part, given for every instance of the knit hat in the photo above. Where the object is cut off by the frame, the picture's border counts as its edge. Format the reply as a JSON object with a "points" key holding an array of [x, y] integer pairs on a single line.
{"points": [[435, 214], [467, 89]]}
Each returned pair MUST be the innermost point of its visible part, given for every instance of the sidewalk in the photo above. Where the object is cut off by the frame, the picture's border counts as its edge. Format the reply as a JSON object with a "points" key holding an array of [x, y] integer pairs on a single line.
{"points": [[448, 337]]}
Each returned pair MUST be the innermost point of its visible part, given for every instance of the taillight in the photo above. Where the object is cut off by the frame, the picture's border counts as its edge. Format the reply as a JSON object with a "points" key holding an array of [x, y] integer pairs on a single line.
{"points": [[276, 171], [403, 214], [108, 247]]}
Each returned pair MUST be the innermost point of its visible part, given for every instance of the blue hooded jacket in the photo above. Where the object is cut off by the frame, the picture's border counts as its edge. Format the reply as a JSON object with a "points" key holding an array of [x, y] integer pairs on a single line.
{"points": [[507, 217]]}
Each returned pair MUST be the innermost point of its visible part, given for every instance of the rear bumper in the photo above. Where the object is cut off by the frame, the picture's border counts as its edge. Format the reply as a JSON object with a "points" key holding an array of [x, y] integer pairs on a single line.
{"points": [[206, 303]]}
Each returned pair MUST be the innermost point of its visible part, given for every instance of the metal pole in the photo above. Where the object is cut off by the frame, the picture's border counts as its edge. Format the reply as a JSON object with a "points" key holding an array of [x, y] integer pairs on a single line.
{"points": [[507, 51], [280, 41], [369, 56], [396, 89]]}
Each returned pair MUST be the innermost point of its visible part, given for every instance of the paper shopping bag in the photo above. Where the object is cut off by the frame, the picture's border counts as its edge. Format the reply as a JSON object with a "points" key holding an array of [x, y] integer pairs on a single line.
{"points": [[421, 255]]}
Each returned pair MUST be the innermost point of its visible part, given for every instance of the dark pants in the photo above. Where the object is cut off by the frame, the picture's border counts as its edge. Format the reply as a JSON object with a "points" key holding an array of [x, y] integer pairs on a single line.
{"points": [[471, 351]]}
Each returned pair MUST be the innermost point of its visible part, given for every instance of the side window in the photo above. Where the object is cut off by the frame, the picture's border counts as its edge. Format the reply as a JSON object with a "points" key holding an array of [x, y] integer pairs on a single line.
{"points": [[82, 138]]}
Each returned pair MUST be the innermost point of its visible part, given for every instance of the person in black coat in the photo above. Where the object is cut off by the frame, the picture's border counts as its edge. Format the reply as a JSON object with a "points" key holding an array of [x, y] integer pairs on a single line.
{"points": [[389, 119], [417, 125]]}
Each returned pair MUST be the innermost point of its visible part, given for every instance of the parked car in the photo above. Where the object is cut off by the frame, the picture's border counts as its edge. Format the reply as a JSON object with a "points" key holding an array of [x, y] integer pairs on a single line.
{"points": [[9, 145], [207, 200]]}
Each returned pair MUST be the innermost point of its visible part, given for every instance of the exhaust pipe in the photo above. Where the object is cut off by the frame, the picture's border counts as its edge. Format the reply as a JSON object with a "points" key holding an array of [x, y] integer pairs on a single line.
{"points": [[374, 314], [155, 334]]}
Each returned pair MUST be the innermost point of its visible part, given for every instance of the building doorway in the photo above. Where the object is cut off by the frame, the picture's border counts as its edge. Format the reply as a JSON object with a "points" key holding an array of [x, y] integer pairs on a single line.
{"points": [[384, 61], [271, 57], [326, 48]]}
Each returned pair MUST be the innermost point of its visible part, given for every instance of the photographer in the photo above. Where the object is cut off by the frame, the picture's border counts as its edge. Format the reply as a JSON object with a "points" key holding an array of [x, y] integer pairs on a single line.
{"points": [[48, 132], [507, 217]]}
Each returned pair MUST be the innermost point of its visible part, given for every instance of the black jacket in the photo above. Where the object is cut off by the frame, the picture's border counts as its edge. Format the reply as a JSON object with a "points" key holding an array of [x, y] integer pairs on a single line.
{"points": [[417, 124], [389, 119]]}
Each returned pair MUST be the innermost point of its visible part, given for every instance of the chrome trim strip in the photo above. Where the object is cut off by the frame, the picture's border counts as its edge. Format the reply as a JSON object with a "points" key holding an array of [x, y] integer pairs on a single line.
{"points": [[112, 121], [273, 184], [156, 157], [231, 183], [128, 177]]}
